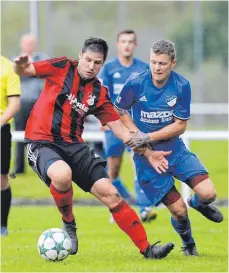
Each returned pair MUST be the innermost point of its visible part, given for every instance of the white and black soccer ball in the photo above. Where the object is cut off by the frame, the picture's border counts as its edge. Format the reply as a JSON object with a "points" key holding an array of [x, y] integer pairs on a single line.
{"points": [[54, 244]]}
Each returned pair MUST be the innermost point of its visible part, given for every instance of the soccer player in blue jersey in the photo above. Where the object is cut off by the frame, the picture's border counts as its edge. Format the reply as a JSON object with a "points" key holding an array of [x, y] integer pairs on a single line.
{"points": [[160, 102], [114, 75]]}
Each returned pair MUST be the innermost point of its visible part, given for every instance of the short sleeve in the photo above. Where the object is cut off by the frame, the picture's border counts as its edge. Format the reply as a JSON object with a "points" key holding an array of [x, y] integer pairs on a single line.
{"points": [[13, 83], [126, 97], [49, 67], [106, 112], [182, 110]]}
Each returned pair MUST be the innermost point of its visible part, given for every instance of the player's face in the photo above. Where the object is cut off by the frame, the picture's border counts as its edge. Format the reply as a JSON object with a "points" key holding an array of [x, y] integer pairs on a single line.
{"points": [[89, 64], [126, 45], [161, 66]]}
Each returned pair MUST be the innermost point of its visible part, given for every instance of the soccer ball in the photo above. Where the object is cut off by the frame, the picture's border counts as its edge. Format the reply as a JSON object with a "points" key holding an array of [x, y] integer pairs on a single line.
{"points": [[54, 244]]}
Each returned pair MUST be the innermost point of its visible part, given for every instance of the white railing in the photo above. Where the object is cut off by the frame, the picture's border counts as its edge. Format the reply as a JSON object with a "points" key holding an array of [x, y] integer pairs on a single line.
{"points": [[97, 136], [209, 108], [89, 136]]}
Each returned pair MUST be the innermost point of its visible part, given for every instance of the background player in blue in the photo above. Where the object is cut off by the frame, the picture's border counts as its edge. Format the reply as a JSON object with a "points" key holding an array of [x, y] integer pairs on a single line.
{"points": [[160, 102], [114, 75]]}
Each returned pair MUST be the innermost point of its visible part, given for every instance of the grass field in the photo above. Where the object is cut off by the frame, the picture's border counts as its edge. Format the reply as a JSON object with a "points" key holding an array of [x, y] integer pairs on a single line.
{"points": [[104, 248], [212, 153]]}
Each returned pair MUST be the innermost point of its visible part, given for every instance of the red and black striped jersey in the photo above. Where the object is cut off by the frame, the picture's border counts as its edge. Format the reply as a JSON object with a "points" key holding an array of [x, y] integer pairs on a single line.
{"points": [[65, 101]]}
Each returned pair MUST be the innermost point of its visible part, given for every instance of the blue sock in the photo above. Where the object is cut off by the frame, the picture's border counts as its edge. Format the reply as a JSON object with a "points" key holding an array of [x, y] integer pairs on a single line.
{"points": [[121, 188], [183, 228], [197, 202], [142, 200]]}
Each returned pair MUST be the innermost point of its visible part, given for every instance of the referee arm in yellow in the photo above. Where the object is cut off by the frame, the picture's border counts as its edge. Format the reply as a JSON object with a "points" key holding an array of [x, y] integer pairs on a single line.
{"points": [[12, 108], [10, 92]]}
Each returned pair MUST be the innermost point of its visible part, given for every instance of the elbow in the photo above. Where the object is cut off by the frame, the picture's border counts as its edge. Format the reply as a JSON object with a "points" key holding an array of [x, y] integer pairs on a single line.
{"points": [[183, 128], [17, 105]]}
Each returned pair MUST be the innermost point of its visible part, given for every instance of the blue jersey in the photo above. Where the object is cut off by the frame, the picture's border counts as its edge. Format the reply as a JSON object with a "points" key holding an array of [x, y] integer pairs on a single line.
{"points": [[114, 75], [154, 108]]}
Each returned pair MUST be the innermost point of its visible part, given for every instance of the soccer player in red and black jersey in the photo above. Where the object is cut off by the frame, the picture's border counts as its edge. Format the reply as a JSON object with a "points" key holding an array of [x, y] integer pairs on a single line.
{"points": [[56, 150]]}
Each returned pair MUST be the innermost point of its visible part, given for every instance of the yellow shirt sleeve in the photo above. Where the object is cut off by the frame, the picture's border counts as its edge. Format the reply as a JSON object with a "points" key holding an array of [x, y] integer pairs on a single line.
{"points": [[13, 83], [10, 83]]}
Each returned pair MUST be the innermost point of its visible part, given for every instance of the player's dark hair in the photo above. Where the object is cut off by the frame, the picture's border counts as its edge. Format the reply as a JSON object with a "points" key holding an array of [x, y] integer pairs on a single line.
{"points": [[97, 45], [127, 31], [164, 47]]}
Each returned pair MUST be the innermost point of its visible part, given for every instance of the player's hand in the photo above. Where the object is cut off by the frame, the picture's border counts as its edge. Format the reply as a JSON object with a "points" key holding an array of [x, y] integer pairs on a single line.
{"points": [[143, 149], [157, 160], [137, 139], [22, 61]]}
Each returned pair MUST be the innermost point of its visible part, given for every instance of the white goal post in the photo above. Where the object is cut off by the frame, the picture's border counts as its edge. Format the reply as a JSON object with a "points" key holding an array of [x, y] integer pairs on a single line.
{"points": [[97, 136]]}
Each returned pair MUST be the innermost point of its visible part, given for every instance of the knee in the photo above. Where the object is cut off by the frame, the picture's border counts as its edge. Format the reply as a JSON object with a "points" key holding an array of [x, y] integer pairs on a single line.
{"points": [[114, 164], [62, 178], [180, 213], [208, 196], [4, 182]]}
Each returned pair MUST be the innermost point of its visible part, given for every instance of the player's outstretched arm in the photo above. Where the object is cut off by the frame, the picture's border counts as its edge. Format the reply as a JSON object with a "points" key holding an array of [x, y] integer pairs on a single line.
{"points": [[156, 158], [23, 66], [127, 120], [175, 129], [120, 130], [136, 135]]}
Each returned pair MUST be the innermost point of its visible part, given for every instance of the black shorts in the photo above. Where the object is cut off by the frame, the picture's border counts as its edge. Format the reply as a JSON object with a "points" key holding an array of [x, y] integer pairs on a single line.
{"points": [[87, 167], [5, 149]]}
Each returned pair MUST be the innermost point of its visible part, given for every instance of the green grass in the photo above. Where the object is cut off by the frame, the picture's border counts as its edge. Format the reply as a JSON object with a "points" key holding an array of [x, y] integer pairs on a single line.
{"points": [[212, 153], [103, 247]]}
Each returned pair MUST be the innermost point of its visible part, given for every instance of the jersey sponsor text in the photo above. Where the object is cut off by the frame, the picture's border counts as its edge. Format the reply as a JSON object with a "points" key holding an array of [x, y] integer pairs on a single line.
{"points": [[75, 104], [156, 116]]}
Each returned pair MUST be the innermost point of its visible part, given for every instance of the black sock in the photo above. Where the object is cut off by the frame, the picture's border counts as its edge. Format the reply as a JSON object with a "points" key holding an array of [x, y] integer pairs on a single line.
{"points": [[5, 205], [183, 228]]}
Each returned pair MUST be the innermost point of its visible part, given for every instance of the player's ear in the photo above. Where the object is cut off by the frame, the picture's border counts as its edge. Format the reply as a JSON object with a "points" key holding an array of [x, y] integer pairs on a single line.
{"points": [[174, 63], [135, 41], [80, 54]]}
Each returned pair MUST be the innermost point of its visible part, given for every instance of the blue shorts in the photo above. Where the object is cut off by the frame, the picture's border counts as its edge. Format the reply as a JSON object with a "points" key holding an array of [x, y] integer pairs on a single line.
{"points": [[182, 165], [114, 146]]}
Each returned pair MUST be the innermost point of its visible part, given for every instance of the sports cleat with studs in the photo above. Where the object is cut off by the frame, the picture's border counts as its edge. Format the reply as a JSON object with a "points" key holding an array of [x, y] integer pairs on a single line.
{"points": [[70, 228], [209, 211], [158, 252], [190, 250]]}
